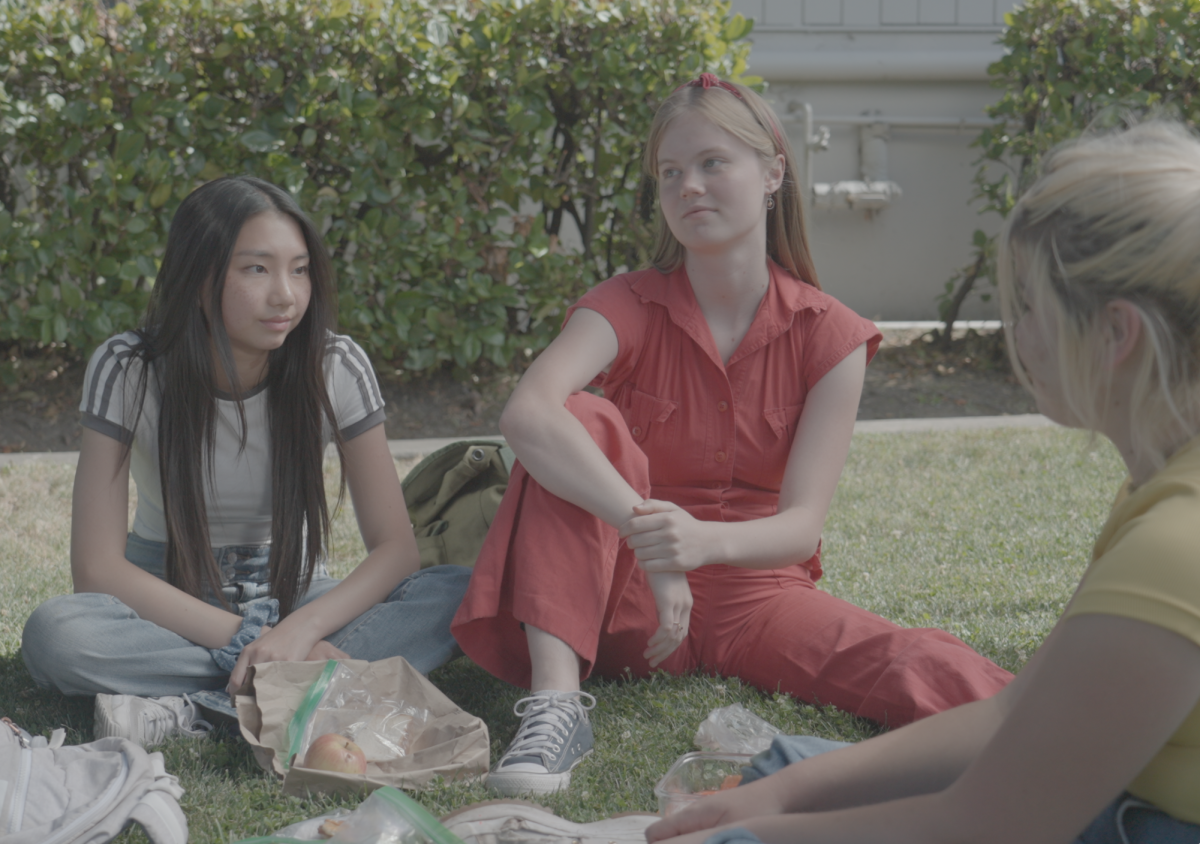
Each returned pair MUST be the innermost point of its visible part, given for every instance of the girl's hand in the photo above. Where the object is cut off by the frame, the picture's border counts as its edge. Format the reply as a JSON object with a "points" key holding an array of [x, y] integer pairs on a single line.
{"points": [[273, 646], [665, 537], [323, 651], [673, 598], [725, 808]]}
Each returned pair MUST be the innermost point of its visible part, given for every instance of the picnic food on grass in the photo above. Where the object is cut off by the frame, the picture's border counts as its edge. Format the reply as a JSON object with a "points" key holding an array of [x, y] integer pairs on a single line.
{"points": [[335, 752], [731, 781], [329, 828]]}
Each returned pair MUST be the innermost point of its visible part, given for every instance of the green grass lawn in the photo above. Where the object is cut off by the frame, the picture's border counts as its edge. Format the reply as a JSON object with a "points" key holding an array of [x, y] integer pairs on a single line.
{"points": [[981, 533]]}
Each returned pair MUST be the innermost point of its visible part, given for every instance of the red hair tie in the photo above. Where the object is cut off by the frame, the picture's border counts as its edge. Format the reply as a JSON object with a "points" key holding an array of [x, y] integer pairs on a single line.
{"points": [[710, 80]]}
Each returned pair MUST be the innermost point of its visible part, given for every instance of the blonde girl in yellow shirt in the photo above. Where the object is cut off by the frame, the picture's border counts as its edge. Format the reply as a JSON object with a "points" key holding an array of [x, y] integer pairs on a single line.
{"points": [[1097, 740]]}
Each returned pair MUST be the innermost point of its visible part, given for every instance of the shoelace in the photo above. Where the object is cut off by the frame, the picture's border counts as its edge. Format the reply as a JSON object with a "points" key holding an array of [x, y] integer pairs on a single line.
{"points": [[166, 718], [545, 722]]}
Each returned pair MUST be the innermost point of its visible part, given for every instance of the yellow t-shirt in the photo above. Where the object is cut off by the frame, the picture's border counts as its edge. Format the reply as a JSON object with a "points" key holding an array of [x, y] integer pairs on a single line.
{"points": [[1146, 566]]}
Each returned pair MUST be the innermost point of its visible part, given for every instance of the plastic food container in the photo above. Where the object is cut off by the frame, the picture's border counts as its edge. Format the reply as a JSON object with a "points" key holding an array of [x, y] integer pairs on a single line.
{"points": [[696, 774]]}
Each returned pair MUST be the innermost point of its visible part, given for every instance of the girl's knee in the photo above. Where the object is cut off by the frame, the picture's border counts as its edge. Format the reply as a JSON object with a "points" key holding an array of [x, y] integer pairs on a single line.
{"points": [[56, 631], [443, 585], [609, 431]]}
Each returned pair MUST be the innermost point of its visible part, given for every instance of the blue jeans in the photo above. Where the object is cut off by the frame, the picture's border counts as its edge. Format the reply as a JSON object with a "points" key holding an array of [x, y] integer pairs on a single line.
{"points": [[91, 643], [1125, 820]]}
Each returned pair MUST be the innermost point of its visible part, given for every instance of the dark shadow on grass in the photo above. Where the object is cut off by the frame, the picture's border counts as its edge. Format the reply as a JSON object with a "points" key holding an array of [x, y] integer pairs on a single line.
{"points": [[40, 711]]}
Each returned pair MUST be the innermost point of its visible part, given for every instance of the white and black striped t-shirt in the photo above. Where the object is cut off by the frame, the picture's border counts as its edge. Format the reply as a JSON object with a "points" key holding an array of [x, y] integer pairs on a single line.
{"points": [[238, 498]]}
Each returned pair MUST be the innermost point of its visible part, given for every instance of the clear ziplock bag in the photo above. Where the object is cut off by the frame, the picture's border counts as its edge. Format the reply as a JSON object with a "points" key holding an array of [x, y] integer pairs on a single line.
{"points": [[340, 702], [735, 729], [387, 816]]}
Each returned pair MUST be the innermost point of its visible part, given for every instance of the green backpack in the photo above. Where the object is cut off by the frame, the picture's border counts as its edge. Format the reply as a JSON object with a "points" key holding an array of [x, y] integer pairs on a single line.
{"points": [[452, 497]]}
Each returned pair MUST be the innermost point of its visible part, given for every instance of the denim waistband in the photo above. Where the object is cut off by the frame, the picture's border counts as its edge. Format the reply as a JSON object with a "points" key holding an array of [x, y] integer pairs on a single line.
{"points": [[245, 569]]}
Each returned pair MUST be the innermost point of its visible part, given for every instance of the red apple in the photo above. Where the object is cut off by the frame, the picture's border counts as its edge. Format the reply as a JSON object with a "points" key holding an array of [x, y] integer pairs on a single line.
{"points": [[334, 752]]}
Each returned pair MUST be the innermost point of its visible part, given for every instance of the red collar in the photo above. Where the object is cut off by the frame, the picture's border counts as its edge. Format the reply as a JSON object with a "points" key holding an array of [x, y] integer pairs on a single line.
{"points": [[786, 295]]}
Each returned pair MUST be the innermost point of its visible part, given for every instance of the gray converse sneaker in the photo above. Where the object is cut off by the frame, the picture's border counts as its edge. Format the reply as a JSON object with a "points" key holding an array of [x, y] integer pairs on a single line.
{"points": [[146, 721], [554, 736]]}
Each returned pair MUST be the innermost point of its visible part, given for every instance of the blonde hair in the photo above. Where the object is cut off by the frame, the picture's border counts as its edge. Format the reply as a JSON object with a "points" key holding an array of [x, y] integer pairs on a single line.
{"points": [[750, 120], [1114, 217]]}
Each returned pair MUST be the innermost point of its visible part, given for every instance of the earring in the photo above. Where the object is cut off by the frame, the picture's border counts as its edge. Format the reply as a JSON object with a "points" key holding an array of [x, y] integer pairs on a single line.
{"points": [[770, 201]]}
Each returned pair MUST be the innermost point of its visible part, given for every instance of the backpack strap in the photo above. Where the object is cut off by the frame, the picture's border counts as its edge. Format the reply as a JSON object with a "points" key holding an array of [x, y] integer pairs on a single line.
{"points": [[158, 811]]}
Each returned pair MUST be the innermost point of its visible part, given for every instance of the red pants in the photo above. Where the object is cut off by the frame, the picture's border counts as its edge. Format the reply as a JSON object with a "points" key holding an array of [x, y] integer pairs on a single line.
{"points": [[555, 566]]}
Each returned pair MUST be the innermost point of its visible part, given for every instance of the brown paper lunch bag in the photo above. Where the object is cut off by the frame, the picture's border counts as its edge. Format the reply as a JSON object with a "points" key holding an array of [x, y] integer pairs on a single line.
{"points": [[453, 744]]}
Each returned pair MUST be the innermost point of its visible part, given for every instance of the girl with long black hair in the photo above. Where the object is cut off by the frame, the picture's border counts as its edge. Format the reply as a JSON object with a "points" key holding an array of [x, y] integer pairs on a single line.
{"points": [[221, 406]]}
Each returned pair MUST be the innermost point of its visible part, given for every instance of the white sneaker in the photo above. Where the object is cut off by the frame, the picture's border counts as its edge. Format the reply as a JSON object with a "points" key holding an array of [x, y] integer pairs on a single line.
{"points": [[518, 822], [146, 721]]}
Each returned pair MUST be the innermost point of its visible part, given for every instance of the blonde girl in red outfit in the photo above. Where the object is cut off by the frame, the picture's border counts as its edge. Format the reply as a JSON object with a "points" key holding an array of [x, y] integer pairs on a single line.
{"points": [[1097, 740], [675, 523]]}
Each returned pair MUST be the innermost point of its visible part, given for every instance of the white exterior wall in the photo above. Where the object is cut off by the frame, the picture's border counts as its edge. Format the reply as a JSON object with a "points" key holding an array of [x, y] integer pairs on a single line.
{"points": [[900, 59]]}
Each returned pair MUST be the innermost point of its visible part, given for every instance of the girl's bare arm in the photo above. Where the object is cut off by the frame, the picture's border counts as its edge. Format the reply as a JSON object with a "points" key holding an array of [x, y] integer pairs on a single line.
{"points": [[1107, 695], [561, 455], [99, 523], [924, 757], [550, 442]]}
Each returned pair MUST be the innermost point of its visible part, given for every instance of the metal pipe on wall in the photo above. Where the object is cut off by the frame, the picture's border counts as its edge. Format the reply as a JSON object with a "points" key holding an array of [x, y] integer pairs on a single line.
{"points": [[874, 192]]}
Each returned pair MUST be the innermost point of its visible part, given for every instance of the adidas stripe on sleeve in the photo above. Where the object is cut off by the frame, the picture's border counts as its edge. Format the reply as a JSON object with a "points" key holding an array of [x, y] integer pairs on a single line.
{"points": [[110, 386], [353, 388]]}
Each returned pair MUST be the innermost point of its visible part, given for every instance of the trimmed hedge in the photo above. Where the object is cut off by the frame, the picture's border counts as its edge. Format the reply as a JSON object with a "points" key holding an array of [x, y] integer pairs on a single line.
{"points": [[1078, 64], [1070, 66], [441, 146]]}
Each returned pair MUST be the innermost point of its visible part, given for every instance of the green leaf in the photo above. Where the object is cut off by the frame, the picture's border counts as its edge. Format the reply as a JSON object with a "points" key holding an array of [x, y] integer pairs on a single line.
{"points": [[736, 27], [258, 141], [129, 146], [210, 171], [365, 104], [160, 195], [72, 296], [222, 50], [99, 325], [308, 137], [469, 351], [437, 30], [136, 225], [76, 112]]}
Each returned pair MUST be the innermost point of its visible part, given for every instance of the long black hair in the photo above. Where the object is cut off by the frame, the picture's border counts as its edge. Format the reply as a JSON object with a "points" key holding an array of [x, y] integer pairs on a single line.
{"points": [[177, 338]]}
